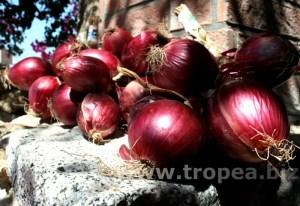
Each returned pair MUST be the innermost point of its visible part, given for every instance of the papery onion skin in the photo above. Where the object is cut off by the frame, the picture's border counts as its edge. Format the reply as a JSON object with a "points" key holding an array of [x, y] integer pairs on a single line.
{"points": [[135, 52], [165, 131], [111, 61], [40, 93], [64, 105], [98, 117], [115, 40], [27, 70], [86, 74], [239, 109], [63, 51], [270, 57], [188, 68]]}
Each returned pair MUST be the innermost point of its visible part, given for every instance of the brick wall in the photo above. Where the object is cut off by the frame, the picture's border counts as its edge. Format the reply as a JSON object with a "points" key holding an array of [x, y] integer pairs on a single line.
{"points": [[228, 22]]}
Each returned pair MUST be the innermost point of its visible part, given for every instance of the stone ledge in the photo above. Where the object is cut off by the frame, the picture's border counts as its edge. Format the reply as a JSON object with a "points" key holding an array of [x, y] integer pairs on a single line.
{"points": [[55, 166]]}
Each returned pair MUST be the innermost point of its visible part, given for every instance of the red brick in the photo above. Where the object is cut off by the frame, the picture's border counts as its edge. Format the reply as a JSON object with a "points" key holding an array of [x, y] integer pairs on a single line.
{"points": [[141, 17], [222, 10], [113, 6], [224, 39], [201, 9]]}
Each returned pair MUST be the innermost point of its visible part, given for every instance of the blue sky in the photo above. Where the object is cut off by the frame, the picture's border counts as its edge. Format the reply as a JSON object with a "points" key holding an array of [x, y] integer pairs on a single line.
{"points": [[35, 32]]}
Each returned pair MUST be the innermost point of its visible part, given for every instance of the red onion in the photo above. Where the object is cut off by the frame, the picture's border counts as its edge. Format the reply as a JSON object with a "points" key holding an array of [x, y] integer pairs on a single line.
{"points": [[63, 51], [26, 71], [108, 58], [270, 58], [135, 52], [115, 40], [39, 95], [85, 74], [64, 105], [185, 67], [129, 96], [165, 131], [245, 117], [98, 117]]}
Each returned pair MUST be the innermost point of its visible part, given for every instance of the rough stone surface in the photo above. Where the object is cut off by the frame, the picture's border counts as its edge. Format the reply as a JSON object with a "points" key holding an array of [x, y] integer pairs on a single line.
{"points": [[56, 166]]}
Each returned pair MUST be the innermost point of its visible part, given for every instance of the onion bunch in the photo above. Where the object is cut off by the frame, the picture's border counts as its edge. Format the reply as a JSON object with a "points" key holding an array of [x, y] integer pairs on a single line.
{"points": [[171, 94]]}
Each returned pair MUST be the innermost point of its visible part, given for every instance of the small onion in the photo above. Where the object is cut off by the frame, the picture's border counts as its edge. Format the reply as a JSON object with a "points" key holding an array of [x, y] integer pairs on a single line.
{"points": [[135, 52], [98, 117], [165, 131], [185, 66], [269, 58], [63, 51], [85, 74], [244, 117], [115, 40], [108, 58], [39, 95], [130, 94], [64, 105], [26, 71]]}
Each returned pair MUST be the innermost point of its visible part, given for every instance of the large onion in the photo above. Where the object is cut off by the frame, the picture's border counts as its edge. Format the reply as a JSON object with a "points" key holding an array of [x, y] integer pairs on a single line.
{"points": [[26, 71], [63, 51], [270, 59], [98, 117], [108, 58], [184, 66], [64, 105], [135, 52], [39, 95], [248, 121], [85, 74], [165, 131], [115, 40]]}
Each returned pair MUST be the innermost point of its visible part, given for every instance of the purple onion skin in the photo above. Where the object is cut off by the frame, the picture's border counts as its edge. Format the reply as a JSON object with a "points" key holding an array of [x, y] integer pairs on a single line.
{"points": [[27, 70], [235, 109], [98, 113], [165, 131], [40, 93], [269, 58], [188, 68], [114, 41], [106, 57], [64, 105], [86, 74], [135, 52]]}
